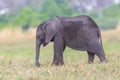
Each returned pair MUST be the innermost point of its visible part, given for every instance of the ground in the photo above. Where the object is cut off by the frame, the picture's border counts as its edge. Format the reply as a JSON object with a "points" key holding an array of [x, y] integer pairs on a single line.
{"points": [[17, 59]]}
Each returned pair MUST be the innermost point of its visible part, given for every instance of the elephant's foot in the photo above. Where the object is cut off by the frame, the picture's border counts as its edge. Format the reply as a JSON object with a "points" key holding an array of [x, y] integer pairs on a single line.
{"points": [[104, 61], [57, 63], [90, 62], [102, 58], [37, 64]]}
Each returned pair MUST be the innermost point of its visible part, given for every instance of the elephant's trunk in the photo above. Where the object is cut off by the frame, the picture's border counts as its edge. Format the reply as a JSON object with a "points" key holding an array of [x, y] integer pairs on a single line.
{"points": [[38, 43]]}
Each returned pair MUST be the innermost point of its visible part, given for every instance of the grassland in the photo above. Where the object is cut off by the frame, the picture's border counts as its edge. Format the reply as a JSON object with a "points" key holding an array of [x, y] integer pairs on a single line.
{"points": [[17, 54]]}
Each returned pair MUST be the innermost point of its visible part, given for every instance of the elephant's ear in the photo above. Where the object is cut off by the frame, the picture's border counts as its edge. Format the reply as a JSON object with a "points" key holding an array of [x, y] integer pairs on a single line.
{"points": [[51, 29]]}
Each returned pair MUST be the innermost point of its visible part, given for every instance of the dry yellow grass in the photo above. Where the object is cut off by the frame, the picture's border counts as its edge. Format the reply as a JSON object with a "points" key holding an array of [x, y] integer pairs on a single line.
{"points": [[118, 28], [111, 35], [10, 34]]}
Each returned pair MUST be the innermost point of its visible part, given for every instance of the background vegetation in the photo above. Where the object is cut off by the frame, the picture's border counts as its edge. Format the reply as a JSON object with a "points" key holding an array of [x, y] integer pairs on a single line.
{"points": [[34, 12]]}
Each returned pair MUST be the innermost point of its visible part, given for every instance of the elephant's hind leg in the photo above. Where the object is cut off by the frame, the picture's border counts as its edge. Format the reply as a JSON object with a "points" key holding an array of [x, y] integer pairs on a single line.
{"points": [[90, 57], [102, 57], [98, 50]]}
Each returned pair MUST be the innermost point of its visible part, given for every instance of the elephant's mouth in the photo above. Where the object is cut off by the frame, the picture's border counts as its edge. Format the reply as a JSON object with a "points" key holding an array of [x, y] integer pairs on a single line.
{"points": [[44, 44]]}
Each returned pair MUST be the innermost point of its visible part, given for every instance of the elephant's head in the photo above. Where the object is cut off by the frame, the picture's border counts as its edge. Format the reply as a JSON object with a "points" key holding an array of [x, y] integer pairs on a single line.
{"points": [[45, 33]]}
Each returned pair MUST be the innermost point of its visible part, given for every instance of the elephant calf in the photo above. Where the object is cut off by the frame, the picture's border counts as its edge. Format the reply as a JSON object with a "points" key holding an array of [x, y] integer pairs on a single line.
{"points": [[79, 33]]}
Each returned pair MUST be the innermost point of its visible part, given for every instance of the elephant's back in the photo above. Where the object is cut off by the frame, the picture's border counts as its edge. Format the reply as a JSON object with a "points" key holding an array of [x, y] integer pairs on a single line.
{"points": [[84, 19]]}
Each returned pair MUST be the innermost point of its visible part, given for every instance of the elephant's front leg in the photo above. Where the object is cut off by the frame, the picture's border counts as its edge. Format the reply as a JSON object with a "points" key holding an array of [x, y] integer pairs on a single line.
{"points": [[58, 50]]}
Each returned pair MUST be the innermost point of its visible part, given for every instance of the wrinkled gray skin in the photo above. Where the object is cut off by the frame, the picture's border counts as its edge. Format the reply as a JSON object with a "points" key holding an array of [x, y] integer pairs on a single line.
{"points": [[79, 33]]}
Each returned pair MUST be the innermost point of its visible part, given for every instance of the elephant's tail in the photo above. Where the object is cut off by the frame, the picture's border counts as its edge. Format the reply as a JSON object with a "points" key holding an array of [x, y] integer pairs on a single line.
{"points": [[100, 38]]}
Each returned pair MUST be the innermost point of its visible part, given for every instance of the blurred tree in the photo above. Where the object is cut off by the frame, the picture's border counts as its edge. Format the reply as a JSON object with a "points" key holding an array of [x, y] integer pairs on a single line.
{"points": [[26, 15], [112, 11], [21, 11]]}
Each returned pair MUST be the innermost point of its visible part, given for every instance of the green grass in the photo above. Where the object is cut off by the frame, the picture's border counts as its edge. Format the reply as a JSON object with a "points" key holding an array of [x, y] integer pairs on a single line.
{"points": [[17, 63]]}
